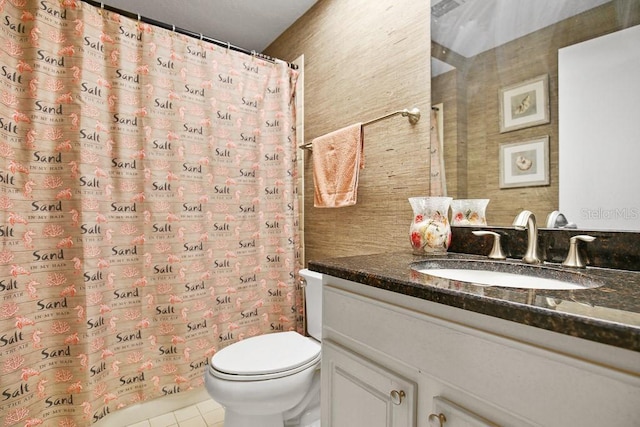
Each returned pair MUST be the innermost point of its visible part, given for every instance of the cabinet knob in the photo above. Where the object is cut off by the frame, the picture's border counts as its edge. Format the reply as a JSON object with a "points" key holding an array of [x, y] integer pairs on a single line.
{"points": [[397, 396], [437, 420]]}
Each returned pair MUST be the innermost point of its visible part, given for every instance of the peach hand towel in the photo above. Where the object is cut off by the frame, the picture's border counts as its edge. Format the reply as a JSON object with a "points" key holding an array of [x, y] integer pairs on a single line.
{"points": [[337, 159]]}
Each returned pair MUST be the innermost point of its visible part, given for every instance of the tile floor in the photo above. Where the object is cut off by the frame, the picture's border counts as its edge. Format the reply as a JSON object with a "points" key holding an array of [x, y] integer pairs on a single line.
{"points": [[204, 414]]}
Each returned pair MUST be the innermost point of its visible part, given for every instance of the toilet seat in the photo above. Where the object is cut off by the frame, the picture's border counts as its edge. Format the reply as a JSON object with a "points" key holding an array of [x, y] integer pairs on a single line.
{"points": [[265, 357]]}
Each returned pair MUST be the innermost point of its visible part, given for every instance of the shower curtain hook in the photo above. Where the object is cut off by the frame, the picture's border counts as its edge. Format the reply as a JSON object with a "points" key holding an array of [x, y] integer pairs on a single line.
{"points": [[200, 36], [138, 18], [228, 46]]}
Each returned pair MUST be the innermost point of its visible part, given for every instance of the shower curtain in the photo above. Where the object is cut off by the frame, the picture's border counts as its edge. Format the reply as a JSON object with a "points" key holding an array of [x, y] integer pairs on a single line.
{"points": [[437, 179], [148, 205]]}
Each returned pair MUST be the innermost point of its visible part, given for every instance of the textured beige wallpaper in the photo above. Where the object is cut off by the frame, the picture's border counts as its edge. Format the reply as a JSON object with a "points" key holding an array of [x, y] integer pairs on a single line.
{"points": [[364, 59]]}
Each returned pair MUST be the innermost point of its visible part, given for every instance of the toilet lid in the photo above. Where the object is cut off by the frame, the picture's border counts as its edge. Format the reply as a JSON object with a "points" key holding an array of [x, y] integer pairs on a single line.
{"points": [[266, 354]]}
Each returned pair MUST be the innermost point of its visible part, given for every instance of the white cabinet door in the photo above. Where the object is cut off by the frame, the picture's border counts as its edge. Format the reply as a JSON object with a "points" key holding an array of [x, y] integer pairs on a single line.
{"points": [[359, 393]]}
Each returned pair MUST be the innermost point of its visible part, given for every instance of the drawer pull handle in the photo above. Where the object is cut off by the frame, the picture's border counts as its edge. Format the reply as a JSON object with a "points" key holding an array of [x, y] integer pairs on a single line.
{"points": [[397, 396], [437, 420]]}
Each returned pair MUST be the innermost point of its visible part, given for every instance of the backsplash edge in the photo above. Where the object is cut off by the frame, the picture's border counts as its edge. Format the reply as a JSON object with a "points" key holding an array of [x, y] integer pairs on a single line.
{"points": [[610, 249]]}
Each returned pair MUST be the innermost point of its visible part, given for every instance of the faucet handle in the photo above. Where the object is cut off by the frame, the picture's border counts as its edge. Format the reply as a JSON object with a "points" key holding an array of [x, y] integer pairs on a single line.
{"points": [[496, 250], [573, 257]]}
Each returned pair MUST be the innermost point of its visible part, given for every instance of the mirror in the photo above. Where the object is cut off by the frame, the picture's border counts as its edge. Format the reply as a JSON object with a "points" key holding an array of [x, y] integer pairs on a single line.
{"points": [[492, 61], [602, 132]]}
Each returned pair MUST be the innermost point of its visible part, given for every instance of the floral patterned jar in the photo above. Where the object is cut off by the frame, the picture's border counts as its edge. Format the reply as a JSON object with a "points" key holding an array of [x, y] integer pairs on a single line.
{"points": [[430, 230], [469, 212]]}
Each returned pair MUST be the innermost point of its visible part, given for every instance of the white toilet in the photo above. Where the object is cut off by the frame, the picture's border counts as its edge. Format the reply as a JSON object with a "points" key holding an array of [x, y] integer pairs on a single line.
{"points": [[272, 380]]}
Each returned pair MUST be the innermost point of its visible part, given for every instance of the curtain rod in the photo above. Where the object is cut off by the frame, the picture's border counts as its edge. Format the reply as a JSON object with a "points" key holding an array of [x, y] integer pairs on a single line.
{"points": [[413, 115], [189, 33]]}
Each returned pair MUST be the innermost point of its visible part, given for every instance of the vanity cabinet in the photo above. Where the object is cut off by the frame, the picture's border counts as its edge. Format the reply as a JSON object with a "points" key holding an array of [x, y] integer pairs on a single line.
{"points": [[475, 370]]}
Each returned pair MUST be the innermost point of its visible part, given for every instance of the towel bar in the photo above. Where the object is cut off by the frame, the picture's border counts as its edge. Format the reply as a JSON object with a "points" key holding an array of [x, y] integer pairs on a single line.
{"points": [[413, 115]]}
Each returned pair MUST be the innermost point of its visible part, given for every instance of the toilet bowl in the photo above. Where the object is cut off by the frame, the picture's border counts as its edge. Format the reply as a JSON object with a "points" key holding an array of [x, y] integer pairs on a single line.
{"points": [[272, 379]]}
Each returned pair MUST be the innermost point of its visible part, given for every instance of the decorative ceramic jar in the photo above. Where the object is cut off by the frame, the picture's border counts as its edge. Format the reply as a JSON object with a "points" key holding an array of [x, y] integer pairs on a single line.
{"points": [[430, 230], [469, 212]]}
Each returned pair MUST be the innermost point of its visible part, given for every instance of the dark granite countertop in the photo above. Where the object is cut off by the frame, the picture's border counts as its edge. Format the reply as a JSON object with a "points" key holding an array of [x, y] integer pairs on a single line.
{"points": [[608, 314]]}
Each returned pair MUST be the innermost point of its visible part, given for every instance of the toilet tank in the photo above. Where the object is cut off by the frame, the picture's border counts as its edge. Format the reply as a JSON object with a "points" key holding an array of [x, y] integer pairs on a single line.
{"points": [[313, 301]]}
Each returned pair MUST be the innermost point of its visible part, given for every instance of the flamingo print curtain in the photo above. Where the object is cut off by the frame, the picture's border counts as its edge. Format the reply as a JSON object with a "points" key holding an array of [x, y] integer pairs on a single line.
{"points": [[437, 181], [148, 209]]}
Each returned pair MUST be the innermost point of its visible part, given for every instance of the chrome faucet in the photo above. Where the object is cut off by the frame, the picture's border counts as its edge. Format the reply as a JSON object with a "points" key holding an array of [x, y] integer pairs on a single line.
{"points": [[527, 221]]}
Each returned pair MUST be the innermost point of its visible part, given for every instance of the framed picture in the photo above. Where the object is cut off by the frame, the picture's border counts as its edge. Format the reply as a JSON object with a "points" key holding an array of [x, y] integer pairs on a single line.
{"points": [[525, 163], [524, 104]]}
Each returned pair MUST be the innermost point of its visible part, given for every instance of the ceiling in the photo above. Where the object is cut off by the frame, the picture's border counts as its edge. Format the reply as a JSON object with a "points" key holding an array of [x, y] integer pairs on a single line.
{"points": [[469, 27], [248, 24], [466, 27]]}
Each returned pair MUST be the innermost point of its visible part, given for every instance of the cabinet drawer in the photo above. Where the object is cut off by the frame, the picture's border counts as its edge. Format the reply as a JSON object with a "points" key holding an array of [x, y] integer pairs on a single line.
{"points": [[449, 414]]}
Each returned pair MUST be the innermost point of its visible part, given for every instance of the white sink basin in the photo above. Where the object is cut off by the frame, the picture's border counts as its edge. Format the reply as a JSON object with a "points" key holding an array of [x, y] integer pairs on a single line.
{"points": [[506, 274], [496, 278]]}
